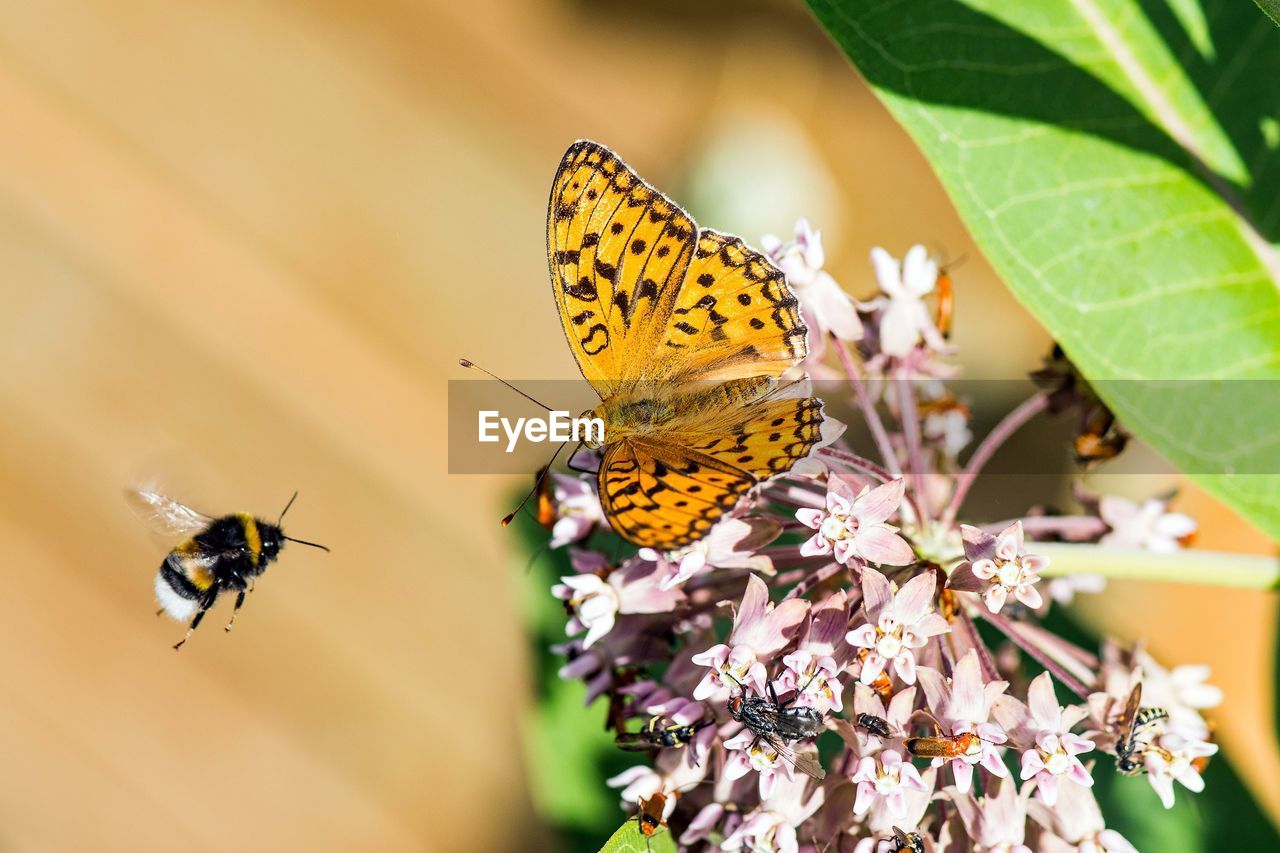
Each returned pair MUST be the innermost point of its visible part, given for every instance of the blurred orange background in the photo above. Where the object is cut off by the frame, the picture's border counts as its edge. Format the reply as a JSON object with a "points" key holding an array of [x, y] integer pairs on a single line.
{"points": [[243, 245]]}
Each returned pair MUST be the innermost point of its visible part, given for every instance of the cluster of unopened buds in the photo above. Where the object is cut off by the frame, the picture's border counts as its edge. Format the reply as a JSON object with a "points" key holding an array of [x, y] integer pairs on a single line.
{"points": [[856, 598]]}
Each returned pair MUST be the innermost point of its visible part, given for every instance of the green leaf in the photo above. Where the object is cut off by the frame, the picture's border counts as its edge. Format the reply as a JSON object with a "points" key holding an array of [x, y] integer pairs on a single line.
{"points": [[1271, 7], [629, 839], [1117, 162]]}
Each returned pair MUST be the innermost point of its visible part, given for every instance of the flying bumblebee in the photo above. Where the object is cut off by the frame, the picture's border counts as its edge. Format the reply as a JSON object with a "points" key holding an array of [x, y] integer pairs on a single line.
{"points": [[778, 724], [221, 554], [1132, 723]]}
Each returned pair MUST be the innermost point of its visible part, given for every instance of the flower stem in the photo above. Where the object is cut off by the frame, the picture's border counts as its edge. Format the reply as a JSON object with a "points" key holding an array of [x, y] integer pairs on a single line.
{"points": [[1029, 408], [868, 408], [858, 463], [1080, 528], [1041, 656], [909, 416], [1208, 568]]}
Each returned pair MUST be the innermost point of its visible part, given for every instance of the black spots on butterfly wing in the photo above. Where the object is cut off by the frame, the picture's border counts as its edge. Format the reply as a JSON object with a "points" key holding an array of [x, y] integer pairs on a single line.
{"points": [[736, 315], [764, 437], [665, 497], [620, 248]]}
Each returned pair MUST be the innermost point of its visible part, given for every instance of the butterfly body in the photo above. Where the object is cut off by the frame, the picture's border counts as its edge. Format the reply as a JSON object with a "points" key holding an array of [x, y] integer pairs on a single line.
{"points": [[685, 334]]}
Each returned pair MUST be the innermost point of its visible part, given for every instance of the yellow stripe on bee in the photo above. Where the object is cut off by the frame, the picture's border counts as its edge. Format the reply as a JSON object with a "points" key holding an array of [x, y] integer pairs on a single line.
{"points": [[252, 538], [193, 565]]}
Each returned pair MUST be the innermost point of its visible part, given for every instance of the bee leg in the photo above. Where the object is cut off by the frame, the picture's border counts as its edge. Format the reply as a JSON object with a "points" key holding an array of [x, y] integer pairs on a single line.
{"points": [[195, 623], [239, 604]]}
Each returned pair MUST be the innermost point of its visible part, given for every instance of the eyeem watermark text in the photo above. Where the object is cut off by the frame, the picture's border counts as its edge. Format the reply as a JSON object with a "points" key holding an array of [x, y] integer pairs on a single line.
{"points": [[556, 426]]}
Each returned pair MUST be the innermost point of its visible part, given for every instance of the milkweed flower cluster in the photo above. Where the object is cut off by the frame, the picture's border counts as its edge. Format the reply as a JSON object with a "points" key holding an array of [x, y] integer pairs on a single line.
{"points": [[850, 587]]}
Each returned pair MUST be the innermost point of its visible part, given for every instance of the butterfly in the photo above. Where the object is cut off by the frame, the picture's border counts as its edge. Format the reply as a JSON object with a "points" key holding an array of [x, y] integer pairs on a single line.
{"points": [[684, 333]]}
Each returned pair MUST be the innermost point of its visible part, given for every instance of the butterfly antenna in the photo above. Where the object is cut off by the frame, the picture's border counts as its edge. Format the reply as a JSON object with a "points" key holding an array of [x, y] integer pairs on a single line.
{"points": [[537, 484], [286, 508], [467, 363]]}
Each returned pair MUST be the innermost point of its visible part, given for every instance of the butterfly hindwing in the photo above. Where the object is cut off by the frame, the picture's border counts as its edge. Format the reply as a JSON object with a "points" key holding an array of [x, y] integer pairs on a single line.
{"points": [[618, 251], [664, 496], [763, 439]]}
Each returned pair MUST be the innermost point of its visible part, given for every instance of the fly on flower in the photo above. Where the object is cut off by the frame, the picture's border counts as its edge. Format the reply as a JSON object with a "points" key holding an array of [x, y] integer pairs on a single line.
{"points": [[659, 734], [1133, 723], [779, 723], [910, 841], [220, 555], [942, 747], [878, 726]]}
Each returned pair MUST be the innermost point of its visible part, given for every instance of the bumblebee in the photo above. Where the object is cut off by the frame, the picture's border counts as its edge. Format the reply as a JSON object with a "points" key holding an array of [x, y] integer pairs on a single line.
{"points": [[220, 555]]}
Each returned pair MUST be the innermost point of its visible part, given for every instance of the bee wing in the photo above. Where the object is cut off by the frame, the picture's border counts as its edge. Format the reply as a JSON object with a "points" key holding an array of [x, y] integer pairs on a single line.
{"points": [[165, 515], [803, 762], [634, 741], [1132, 705]]}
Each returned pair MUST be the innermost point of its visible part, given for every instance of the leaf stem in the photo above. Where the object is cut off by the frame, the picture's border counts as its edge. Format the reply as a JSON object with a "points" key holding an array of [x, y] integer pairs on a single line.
{"points": [[1208, 568]]}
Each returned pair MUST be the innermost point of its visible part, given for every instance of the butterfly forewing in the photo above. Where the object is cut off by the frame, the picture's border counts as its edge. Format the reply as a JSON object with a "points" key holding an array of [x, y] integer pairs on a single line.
{"points": [[662, 317], [618, 251], [734, 317]]}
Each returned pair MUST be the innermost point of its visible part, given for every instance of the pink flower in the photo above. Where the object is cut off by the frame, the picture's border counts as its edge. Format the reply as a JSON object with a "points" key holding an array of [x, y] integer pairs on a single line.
{"points": [[577, 509], [854, 528], [897, 624], [997, 566], [815, 680], [1043, 729], [731, 544], [1148, 526], [772, 826], [1173, 758], [962, 704], [760, 630], [1077, 825], [885, 778], [598, 597], [996, 823], [906, 321], [825, 307], [813, 669], [747, 752]]}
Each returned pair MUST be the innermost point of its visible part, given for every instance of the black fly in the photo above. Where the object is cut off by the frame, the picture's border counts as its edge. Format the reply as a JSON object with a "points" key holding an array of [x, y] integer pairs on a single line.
{"points": [[878, 726], [779, 723]]}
